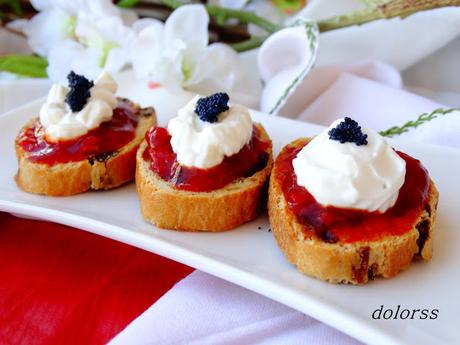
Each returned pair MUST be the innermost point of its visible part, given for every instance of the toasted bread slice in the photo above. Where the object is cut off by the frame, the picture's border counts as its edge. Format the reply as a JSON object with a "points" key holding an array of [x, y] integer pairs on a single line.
{"points": [[356, 262], [219, 210], [104, 171]]}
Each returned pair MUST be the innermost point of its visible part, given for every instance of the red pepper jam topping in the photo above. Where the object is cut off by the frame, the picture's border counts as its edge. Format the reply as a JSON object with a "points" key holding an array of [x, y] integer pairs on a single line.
{"points": [[332, 224], [251, 158], [109, 137]]}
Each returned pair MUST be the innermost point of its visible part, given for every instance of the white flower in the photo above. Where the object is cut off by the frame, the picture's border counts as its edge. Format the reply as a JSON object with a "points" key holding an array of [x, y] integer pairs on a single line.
{"points": [[110, 37], [48, 28], [101, 44], [69, 55], [57, 20], [177, 54], [81, 35]]}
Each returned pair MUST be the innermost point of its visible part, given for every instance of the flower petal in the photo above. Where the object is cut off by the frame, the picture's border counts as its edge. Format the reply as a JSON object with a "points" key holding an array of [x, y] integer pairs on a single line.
{"points": [[102, 7], [189, 24], [144, 23], [106, 35], [168, 73], [219, 68], [145, 50], [284, 60], [109, 28], [41, 5], [117, 59], [69, 56], [47, 28]]}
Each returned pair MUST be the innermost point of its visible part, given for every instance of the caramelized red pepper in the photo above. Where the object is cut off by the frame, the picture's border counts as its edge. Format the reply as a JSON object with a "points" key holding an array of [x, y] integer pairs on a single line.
{"points": [[333, 224], [109, 137], [251, 158]]}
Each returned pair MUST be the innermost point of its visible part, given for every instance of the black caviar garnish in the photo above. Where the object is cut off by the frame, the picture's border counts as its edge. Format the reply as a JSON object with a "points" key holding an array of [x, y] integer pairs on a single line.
{"points": [[348, 131], [79, 91], [208, 108]]}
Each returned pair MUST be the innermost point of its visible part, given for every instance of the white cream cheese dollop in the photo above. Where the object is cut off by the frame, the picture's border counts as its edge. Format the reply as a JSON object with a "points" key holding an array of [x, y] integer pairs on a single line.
{"points": [[60, 123], [203, 144], [366, 177]]}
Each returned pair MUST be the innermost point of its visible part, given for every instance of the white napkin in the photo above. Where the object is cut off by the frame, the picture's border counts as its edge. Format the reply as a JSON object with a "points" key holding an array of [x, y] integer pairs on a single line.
{"points": [[370, 103], [384, 40], [321, 78], [437, 76], [202, 309], [380, 107]]}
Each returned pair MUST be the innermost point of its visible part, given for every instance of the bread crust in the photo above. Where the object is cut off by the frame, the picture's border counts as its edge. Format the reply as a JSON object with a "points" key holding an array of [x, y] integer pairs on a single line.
{"points": [[354, 263], [219, 210], [71, 178]]}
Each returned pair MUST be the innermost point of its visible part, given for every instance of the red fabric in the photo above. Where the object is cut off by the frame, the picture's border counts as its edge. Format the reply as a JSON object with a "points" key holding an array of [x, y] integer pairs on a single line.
{"points": [[60, 285]]}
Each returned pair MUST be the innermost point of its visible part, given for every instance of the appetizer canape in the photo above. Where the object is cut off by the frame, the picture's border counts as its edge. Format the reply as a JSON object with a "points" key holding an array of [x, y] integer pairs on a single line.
{"points": [[207, 171], [345, 207], [84, 138]]}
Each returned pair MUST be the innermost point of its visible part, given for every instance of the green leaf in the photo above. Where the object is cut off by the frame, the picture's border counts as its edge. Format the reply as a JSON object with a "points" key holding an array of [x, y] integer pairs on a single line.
{"points": [[15, 6], [127, 3], [24, 65], [221, 19]]}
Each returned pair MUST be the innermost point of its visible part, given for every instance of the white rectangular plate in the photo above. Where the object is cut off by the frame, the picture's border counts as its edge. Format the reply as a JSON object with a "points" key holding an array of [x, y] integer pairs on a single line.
{"points": [[249, 256]]}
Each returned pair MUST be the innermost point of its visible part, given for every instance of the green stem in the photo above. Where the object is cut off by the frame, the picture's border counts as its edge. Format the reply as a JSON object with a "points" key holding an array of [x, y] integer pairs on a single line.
{"points": [[251, 43], [425, 117], [392, 9], [222, 15], [174, 3], [127, 3]]}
